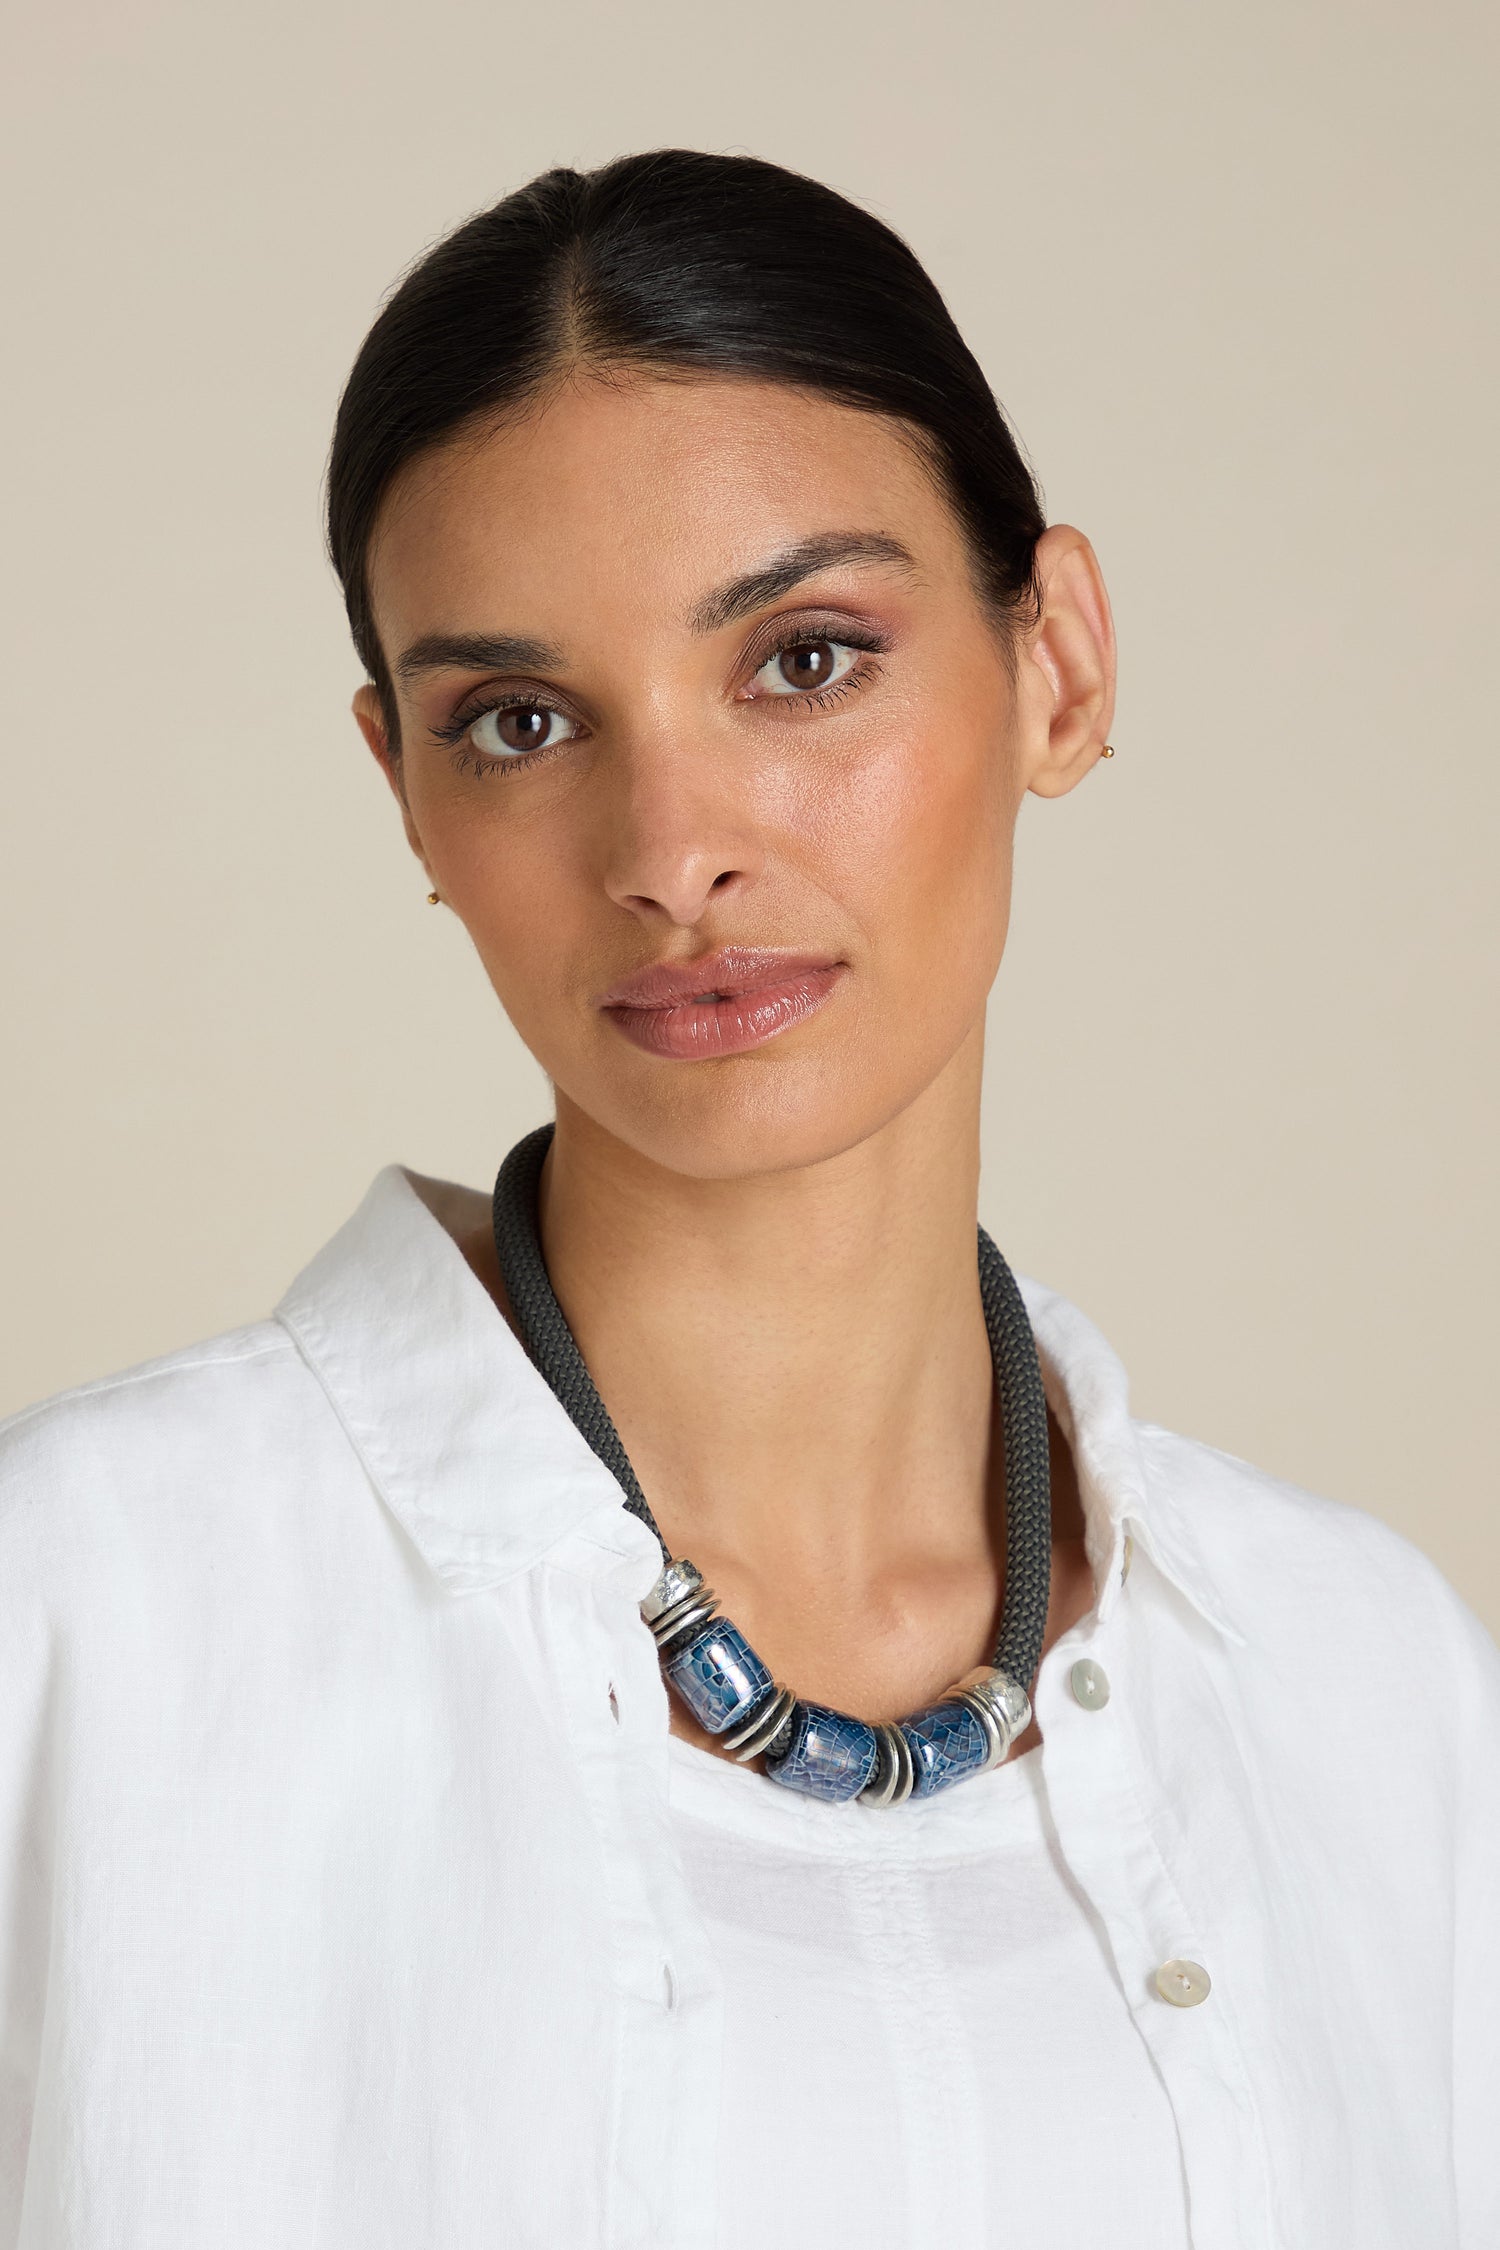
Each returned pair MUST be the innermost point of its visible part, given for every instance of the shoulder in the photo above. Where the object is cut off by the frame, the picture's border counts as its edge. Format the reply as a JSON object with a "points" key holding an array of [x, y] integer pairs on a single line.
{"points": [[148, 1439], [162, 1401], [1309, 1580]]}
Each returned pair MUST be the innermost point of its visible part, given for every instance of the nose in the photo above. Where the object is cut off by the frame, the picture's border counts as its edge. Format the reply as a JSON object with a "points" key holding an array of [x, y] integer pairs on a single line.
{"points": [[679, 841]]}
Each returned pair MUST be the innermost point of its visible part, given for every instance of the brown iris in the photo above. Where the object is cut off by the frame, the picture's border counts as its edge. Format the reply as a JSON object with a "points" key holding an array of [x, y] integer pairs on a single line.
{"points": [[807, 665], [524, 728]]}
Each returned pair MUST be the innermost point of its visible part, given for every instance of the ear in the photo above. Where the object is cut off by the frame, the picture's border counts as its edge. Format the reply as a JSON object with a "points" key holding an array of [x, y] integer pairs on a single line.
{"points": [[1067, 665], [370, 719]]}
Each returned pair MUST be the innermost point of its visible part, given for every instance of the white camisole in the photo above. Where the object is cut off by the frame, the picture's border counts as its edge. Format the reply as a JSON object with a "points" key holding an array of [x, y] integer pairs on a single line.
{"points": [[925, 2040]]}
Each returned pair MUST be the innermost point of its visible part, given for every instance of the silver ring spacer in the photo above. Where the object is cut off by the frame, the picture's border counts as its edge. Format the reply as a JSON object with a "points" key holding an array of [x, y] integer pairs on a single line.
{"points": [[765, 1722], [895, 1771], [994, 1733], [687, 1615], [677, 1602]]}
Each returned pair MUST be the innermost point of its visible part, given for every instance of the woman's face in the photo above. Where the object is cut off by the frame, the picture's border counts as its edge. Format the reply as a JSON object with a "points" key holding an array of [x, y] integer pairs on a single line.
{"points": [[708, 741]]}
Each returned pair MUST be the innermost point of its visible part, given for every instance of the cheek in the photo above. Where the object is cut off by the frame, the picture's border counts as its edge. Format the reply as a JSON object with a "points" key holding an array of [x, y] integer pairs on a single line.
{"points": [[536, 930], [507, 875], [913, 836]]}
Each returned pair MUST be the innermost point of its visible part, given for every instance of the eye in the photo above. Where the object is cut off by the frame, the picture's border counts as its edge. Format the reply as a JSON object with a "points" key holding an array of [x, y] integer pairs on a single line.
{"points": [[515, 728], [805, 666]]}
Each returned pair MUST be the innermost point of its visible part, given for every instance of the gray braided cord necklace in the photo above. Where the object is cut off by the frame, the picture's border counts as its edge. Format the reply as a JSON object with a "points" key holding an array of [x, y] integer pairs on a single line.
{"points": [[707, 1660]]}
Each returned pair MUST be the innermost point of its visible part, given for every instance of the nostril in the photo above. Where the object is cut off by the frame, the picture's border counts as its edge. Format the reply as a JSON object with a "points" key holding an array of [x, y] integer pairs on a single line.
{"points": [[679, 885]]}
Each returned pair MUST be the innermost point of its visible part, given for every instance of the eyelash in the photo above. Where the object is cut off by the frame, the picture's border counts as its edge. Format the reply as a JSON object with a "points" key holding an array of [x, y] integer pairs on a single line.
{"points": [[466, 759], [455, 729], [869, 643]]}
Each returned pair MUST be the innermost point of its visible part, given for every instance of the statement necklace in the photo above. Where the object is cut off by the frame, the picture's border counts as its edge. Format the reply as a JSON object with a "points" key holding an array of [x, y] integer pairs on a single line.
{"points": [[708, 1661]]}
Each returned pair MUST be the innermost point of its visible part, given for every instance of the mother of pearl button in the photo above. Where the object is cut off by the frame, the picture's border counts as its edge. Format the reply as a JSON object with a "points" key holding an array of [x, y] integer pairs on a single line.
{"points": [[1090, 1684], [1184, 1983]]}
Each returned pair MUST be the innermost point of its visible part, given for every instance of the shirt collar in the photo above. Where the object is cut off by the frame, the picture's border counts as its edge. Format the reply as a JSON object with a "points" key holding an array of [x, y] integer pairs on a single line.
{"points": [[458, 1432], [1089, 1392], [485, 1472]]}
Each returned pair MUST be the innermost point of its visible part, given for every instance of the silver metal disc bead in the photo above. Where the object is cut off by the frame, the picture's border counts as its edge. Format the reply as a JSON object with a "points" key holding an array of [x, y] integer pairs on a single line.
{"points": [[994, 1732], [895, 1770], [686, 1618], [759, 1729]]}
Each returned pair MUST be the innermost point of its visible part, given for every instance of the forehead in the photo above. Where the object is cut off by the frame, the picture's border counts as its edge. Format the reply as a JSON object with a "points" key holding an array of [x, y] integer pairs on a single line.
{"points": [[633, 495]]}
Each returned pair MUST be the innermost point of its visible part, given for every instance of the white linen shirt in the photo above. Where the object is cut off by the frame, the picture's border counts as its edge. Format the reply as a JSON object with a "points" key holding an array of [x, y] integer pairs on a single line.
{"points": [[875, 1974], [340, 1907]]}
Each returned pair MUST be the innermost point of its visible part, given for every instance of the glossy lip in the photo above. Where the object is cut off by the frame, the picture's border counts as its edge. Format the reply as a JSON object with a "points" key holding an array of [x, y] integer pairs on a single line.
{"points": [[722, 1003]]}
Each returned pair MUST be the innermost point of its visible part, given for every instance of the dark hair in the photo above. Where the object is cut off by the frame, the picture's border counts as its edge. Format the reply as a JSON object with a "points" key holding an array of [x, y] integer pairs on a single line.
{"points": [[681, 260]]}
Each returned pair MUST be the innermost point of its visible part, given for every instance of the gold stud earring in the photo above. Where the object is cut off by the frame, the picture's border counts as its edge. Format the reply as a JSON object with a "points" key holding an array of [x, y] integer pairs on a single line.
{"points": [[1108, 751], [433, 899]]}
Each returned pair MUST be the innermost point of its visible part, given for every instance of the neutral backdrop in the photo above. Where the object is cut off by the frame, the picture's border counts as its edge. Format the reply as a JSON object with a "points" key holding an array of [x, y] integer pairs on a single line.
{"points": [[1231, 272]]}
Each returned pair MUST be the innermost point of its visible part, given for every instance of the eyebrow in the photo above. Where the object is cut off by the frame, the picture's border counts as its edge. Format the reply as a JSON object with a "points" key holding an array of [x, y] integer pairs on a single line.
{"points": [[737, 598], [824, 551], [475, 652]]}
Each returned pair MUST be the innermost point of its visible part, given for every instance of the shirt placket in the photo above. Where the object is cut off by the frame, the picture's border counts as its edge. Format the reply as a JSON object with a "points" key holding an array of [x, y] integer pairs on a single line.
{"points": [[1180, 1993], [662, 2162]]}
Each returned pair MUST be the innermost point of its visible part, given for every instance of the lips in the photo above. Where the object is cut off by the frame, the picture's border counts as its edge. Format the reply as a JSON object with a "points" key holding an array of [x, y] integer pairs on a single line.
{"points": [[723, 1003]]}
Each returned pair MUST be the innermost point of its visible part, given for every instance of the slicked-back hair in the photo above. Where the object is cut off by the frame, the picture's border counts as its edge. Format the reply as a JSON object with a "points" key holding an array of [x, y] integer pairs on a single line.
{"points": [[678, 261]]}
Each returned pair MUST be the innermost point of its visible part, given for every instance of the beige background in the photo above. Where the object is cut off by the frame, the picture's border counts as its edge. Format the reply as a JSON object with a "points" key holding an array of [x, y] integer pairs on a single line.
{"points": [[1231, 271]]}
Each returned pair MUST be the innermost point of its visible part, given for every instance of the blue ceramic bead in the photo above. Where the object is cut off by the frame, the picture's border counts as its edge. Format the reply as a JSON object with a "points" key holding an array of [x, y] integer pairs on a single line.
{"points": [[718, 1675], [830, 1755], [947, 1744]]}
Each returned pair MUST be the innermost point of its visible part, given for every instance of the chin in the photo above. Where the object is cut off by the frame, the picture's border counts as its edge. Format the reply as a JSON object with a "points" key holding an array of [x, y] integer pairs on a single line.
{"points": [[750, 1116], [729, 1133], [740, 1148]]}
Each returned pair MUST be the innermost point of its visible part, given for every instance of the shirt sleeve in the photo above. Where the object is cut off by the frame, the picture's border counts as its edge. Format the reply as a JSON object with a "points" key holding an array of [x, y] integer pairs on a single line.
{"points": [[26, 1782], [1476, 1965]]}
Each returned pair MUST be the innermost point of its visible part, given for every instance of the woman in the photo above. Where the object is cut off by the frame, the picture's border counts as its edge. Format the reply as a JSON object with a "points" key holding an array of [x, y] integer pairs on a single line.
{"points": [[395, 1849]]}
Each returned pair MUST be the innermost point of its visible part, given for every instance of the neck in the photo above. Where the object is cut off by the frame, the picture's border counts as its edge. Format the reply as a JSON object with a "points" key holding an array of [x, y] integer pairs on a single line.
{"points": [[797, 1362], [799, 1370]]}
